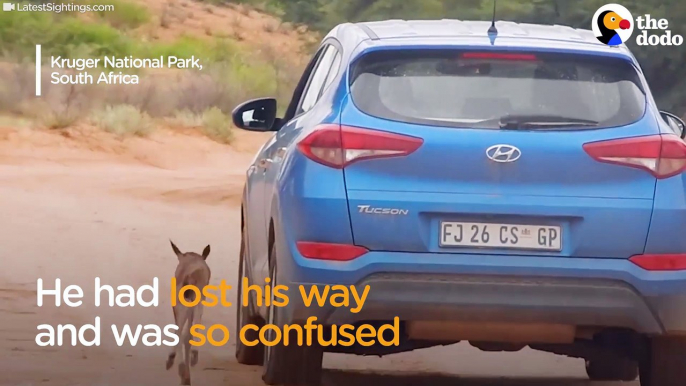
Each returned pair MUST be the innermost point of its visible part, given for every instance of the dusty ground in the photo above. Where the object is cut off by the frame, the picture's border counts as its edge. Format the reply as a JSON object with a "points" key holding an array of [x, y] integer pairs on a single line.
{"points": [[79, 204]]}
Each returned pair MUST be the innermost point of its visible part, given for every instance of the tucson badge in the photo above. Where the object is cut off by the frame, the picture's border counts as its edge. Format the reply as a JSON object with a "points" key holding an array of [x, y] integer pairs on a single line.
{"points": [[392, 211]]}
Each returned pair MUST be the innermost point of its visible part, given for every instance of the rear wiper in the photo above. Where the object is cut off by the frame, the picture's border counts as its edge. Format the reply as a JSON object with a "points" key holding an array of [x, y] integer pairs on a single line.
{"points": [[542, 122]]}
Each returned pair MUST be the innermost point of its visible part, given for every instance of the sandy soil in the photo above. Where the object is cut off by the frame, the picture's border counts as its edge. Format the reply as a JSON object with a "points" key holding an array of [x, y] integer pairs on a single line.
{"points": [[79, 204]]}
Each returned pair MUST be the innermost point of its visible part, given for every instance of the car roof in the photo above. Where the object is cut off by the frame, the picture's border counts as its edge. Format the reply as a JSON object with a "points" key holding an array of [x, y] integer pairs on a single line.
{"points": [[451, 31]]}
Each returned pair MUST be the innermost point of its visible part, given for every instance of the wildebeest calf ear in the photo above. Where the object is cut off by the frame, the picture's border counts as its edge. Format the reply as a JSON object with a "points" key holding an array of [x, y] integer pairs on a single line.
{"points": [[176, 249], [206, 252]]}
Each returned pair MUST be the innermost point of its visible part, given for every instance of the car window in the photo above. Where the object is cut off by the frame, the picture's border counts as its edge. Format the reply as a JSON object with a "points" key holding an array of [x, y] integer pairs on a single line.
{"points": [[316, 83], [674, 125], [334, 71], [487, 90], [294, 105]]}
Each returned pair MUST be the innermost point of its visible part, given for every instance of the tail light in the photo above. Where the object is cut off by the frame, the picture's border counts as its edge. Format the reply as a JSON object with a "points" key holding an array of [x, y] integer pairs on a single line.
{"points": [[333, 252], [339, 146], [669, 262], [662, 155]]}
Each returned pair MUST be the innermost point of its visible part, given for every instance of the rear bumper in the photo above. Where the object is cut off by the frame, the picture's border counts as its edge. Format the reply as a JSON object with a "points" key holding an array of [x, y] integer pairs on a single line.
{"points": [[518, 289], [489, 299]]}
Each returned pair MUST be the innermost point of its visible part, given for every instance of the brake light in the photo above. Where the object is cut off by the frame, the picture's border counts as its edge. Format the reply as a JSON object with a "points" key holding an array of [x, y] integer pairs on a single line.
{"points": [[339, 146], [498, 56], [333, 252], [668, 262], [663, 156]]}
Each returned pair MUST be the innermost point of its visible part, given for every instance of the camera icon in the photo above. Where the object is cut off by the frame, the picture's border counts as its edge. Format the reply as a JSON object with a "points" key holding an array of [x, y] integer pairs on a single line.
{"points": [[9, 7]]}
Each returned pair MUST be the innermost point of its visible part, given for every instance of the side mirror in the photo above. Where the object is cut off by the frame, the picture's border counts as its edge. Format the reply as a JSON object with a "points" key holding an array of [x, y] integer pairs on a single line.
{"points": [[676, 123], [255, 115]]}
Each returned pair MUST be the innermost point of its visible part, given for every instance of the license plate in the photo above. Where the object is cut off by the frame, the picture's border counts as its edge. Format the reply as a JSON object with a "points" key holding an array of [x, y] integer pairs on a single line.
{"points": [[490, 235]]}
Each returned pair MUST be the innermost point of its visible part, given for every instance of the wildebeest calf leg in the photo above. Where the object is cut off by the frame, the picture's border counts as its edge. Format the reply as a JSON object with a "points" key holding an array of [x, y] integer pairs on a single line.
{"points": [[197, 319], [179, 318], [184, 366]]}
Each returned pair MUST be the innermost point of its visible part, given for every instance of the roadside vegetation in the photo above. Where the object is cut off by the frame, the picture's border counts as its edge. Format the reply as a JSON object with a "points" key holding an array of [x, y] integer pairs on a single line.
{"points": [[663, 66], [213, 122], [232, 70], [124, 120], [245, 54]]}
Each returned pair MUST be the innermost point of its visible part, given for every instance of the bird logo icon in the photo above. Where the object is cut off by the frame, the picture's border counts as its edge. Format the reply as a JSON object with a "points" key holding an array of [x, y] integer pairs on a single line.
{"points": [[613, 24]]}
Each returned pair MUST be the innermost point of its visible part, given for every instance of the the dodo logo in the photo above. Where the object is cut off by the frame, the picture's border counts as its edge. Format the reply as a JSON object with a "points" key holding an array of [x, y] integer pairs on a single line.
{"points": [[613, 24]]}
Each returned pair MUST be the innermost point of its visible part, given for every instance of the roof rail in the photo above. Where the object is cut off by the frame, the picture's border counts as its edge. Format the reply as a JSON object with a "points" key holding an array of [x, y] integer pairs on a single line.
{"points": [[368, 31]]}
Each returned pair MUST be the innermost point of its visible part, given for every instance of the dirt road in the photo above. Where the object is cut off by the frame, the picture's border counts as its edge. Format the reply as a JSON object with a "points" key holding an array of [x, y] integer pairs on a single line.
{"points": [[77, 205]]}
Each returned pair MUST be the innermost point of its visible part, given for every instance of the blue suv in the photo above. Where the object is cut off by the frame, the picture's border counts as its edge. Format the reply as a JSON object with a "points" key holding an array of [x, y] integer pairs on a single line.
{"points": [[510, 188]]}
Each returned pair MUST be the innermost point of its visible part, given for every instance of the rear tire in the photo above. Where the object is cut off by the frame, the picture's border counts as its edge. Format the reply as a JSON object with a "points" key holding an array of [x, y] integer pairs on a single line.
{"points": [[290, 365], [665, 364], [247, 355], [612, 369]]}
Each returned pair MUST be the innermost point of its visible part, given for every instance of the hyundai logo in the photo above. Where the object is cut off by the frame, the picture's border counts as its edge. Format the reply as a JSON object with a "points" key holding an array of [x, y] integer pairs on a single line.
{"points": [[503, 153]]}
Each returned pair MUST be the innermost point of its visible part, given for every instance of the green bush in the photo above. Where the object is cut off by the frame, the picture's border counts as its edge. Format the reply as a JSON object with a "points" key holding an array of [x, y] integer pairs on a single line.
{"points": [[124, 120], [186, 118], [231, 73], [59, 35], [100, 39], [56, 120], [21, 31], [217, 125]]}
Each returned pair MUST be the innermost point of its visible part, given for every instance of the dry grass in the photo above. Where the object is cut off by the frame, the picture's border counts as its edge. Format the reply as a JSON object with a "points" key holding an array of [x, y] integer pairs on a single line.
{"points": [[15, 121], [123, 120], [285, 28], [271, 27], [212, 122], [58, 108], [269, 65], [57, 120], [243, 22], [166, 18], [186, 119], [236, 22], [217, 125], [244, 9], [221, 85]]}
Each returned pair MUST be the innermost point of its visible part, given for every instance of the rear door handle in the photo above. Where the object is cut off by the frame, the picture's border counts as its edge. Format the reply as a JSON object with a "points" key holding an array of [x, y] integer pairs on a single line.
{"points": [[281, 152], [264, 163]]}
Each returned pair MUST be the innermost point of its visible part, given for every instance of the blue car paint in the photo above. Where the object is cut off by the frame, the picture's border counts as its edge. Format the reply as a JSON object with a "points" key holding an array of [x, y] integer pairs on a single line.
{"points": [[302, 200]]}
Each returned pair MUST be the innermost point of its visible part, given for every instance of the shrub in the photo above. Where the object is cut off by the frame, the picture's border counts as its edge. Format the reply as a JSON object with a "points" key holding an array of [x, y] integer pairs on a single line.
{"points": [[183, 47], [102, 39], [231, 74], [60, 35], [217, 125], [58, 119], [14, 121], [186, 118], [124, 120], [271, 27], [21, 31], [55, 110], [126, 15]]}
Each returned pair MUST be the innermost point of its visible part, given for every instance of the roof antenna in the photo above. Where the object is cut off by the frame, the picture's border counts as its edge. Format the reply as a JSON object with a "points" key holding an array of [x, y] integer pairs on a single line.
{"points": [[492, 29]]}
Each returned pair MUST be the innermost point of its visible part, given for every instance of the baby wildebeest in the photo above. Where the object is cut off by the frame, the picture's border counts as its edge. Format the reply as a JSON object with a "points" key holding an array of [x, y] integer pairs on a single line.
{"points": [[192, 270]]}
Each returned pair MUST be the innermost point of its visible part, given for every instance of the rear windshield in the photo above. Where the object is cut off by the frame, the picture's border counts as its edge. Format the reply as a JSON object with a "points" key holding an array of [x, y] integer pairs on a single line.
{"points": [[498, 90]]}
